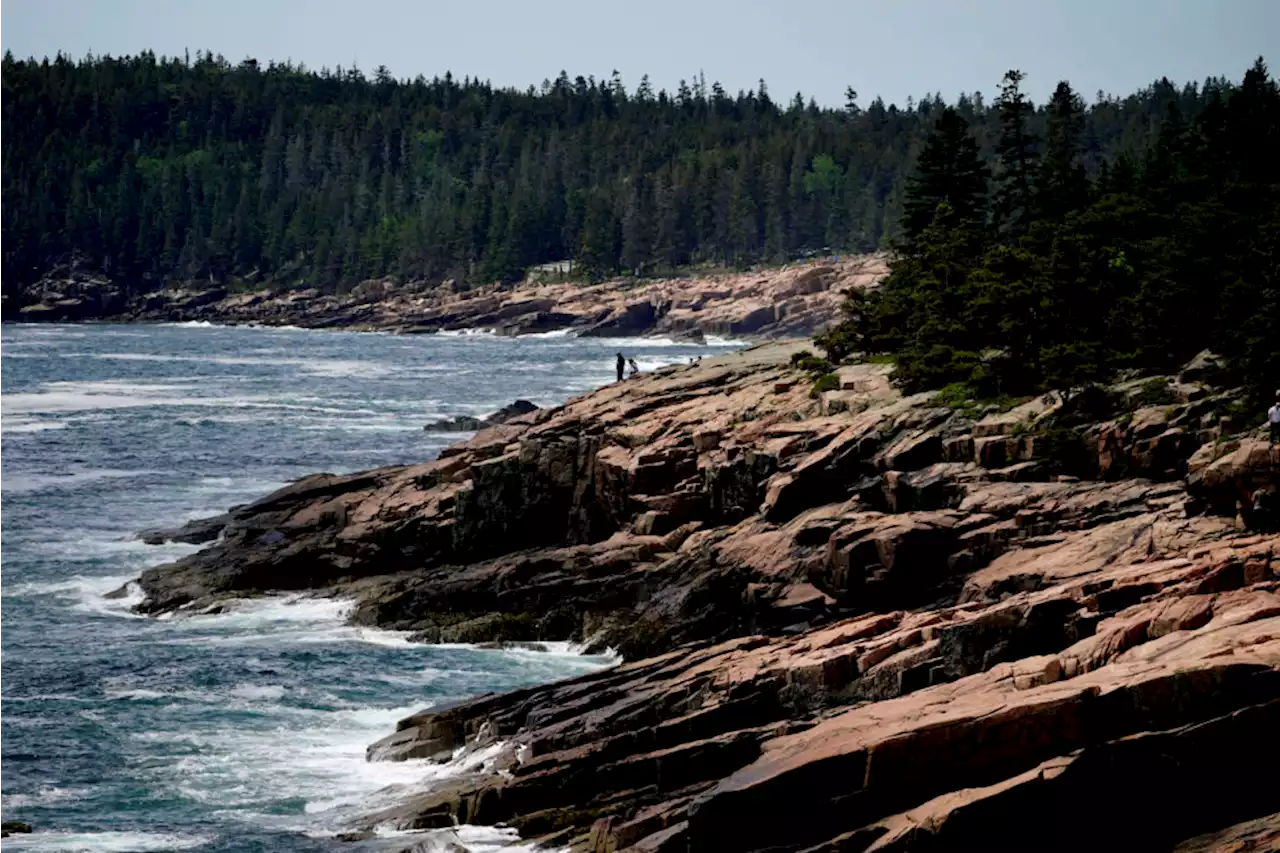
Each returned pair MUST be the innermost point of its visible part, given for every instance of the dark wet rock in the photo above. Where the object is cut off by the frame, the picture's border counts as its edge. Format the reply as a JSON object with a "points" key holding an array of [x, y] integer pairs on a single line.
{"points": [[634, 318], [468, 423], [359, 835], [458, 423], [515, 410], [195, 532]]}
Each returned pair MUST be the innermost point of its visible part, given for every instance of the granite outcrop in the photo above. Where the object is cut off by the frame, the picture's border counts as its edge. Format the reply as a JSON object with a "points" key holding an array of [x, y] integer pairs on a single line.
{"points": [[849, 620]]}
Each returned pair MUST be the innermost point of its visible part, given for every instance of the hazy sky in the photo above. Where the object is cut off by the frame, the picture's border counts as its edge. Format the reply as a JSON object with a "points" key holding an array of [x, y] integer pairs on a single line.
{"points": [[893, 48]]}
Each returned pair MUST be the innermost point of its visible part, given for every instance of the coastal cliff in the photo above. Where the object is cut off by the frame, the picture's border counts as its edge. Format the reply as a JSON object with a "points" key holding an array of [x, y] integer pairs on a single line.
{"points": [[850, 620], [783, 301]]}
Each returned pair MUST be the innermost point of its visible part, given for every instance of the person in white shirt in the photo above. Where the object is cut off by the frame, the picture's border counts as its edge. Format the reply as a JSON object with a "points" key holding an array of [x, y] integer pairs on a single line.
{"points": [[1273, 418]]}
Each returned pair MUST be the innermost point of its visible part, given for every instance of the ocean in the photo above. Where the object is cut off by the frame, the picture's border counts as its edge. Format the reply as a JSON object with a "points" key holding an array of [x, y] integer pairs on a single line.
{"points": [[245, 730]]}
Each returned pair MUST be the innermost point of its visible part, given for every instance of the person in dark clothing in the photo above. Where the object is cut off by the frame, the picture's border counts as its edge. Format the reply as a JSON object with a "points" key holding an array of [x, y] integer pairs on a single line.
{"points": [[1263, 518], [622, 366], [1273, 420]]}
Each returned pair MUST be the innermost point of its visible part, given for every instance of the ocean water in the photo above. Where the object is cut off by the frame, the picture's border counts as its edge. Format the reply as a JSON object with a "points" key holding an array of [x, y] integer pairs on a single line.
{"points": [[245, 730]]}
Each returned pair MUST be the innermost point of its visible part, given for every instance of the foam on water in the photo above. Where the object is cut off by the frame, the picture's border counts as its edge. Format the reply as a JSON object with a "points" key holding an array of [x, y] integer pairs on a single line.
{"points": [[467, 333], [104, 842], [13, 424], [248, 725], [47, 795], [24, 483], [289, 620]]}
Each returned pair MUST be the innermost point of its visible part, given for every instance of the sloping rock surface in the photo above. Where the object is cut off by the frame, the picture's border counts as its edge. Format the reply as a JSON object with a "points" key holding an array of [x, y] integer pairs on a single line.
{"points": [[855, 621], [792, 300]]}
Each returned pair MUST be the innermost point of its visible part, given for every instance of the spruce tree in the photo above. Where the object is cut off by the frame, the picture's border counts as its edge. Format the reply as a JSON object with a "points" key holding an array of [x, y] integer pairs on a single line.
{"points": [[1062, 185], [949, 169], [1013, 205]]}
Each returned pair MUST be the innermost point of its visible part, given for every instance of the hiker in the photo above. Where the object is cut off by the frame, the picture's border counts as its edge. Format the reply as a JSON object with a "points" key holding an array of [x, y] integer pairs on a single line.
{"points": [[1273, 418], [1262, 519], [622, 366], [635, 368]]}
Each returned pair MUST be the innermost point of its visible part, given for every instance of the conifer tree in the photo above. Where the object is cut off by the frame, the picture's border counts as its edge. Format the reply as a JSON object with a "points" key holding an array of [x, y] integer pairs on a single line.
{"points": [[1013, 202], [950, 170], [1062, 184]]}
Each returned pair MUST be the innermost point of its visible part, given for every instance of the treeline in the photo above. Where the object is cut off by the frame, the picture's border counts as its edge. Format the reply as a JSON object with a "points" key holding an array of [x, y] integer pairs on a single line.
{"points": [[1030, 273], [155, 169]]}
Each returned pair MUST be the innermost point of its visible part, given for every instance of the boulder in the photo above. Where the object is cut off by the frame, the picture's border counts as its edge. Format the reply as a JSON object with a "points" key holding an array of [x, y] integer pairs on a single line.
{"points": [[195, 532], [634, 318], [514, 410], [457, 423]]}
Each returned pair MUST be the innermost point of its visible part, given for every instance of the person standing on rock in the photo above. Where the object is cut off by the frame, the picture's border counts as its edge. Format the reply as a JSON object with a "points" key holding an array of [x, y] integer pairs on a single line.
{"points": [[1273, 418], [622, 366]]}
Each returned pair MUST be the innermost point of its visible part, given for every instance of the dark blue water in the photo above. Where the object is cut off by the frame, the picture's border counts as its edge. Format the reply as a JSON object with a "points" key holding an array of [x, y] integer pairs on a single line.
{"points": [[244, 730]]}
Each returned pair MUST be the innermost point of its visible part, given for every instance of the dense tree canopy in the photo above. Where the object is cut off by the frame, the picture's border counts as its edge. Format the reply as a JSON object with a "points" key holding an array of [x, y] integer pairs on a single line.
{"points": [[1171, 249], [155, 170]]}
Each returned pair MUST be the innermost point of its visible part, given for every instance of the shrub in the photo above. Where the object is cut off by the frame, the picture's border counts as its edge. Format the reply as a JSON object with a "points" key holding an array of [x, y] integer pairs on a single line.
{"points": [[1090, 404], [1155, 392], [810, 363], [957, 395], [1064, 451], [825, 382]]}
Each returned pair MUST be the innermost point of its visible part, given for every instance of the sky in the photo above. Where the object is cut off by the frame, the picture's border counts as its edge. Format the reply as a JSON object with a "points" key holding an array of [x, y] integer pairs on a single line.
{"points": [[891, 48]]}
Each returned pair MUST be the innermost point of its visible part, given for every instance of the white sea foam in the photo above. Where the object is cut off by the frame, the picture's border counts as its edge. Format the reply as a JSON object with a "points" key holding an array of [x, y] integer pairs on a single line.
{"points": [[312, 755], [467, 333], [341, 368], [473, 839], [281, 620], [60, 397], [91, 547], [104, 842], [326, 367], [386, 425], [87, 593], [24, 483], [46, 795], [645, 342], [194, 324], [65, 398], [553, 335], [17, 425]]}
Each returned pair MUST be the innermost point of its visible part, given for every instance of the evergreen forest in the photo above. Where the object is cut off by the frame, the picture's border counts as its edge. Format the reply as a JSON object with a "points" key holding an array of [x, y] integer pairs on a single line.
{"points": [[153, 170], [1029, 271]]}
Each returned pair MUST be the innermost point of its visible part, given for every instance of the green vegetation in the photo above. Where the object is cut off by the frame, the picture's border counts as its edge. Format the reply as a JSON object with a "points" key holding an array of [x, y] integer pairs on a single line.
{"points": [[810, 363], [825, 382], [1155, 392], [152, 170], [1040, 273], [1063, 450]]}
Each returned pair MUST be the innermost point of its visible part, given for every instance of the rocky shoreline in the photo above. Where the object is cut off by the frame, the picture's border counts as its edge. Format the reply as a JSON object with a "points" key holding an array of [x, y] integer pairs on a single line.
{"points": [[792, 300], [850, 620]]}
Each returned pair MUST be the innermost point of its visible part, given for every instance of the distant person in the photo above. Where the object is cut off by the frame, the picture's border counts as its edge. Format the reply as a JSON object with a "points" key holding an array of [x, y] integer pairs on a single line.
{"points": [[1262, 519], [635, 368], [622, 366], [1273, 418]]}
